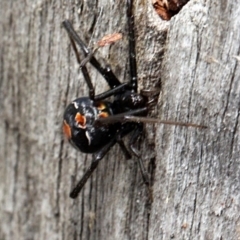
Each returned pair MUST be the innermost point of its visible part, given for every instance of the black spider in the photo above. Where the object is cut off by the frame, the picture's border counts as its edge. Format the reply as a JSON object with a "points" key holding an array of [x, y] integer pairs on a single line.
{"points": [[93, 125]]}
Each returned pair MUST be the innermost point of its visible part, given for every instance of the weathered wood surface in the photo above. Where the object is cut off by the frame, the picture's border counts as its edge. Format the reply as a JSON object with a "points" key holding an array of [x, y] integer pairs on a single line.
{"points": [[195, 173]]}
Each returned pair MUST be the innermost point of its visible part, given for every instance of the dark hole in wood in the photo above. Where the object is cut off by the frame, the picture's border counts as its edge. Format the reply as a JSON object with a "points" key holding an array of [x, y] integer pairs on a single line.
{"points": [[168, 8]]}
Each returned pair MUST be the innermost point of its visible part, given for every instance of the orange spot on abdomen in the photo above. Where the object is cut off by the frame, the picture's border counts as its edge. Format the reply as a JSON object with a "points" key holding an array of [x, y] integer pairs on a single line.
{"points": [[67, 130], [81, 120]]}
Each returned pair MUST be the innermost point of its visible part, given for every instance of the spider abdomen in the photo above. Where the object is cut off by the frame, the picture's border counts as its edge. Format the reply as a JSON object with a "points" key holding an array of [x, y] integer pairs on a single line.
{"points": [[79, 124]]}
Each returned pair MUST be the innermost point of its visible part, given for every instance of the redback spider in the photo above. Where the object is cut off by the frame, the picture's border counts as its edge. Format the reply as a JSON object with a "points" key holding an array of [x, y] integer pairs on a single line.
{"points": [[93, 124]]}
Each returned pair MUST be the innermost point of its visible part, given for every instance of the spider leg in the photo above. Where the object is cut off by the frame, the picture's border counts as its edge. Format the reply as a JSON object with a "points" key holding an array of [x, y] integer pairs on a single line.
{"points": [[99, 155], [123, 147], [132, 50], [111, 92], [105, 72], [123, 117], [84, 71], [96, 158], [135, 138]]}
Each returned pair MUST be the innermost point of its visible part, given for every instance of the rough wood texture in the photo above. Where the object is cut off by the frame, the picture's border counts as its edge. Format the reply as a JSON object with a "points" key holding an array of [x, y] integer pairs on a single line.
{"points": [[195, 173]]}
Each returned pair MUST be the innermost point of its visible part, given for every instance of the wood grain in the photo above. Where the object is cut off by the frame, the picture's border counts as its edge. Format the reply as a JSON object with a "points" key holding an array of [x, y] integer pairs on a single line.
{"points": [[195, 173]]}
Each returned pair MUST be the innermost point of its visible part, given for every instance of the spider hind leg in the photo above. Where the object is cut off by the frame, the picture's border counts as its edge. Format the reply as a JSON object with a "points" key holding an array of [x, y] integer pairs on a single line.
{"points": [[106, 72]]}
